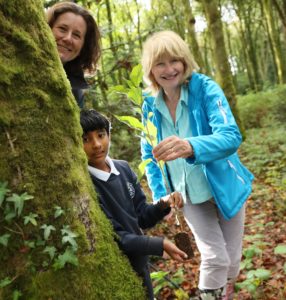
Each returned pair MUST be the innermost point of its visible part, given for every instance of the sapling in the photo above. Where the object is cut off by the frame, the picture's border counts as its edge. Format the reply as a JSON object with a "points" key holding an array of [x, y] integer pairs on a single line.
{"points": [[147, 130]]}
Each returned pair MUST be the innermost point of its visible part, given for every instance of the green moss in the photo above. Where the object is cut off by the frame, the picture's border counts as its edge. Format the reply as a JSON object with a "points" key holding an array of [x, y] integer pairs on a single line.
{"points": [[41, 152]]}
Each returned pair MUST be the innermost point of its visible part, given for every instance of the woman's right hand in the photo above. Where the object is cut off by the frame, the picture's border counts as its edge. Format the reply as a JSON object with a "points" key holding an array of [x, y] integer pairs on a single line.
{"points": [[172, 148]]}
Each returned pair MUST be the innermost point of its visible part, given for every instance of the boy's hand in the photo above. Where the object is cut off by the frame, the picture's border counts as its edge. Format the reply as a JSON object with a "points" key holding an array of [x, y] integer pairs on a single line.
{"points": [[173, 251]]}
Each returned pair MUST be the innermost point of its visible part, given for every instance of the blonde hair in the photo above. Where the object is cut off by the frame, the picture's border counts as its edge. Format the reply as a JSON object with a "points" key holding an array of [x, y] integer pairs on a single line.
{"points": [[164, 43]]}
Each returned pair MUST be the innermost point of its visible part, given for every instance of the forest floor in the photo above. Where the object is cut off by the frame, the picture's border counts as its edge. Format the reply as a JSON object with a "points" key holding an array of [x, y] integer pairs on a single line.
{"points": [[263, 269]]}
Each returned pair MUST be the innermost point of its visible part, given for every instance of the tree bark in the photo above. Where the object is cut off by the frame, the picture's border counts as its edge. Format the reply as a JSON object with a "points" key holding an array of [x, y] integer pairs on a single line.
{"points": [[191, 37], [220, 57], [275, 42], [41, 153]]}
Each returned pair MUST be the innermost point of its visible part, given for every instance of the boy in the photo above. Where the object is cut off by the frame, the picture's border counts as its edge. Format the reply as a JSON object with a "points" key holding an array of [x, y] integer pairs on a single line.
{"points": [[123, 201]]}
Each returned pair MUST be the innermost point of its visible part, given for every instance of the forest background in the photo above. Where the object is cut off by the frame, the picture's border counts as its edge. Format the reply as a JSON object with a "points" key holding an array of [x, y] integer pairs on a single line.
{"points": [[241, 44]]}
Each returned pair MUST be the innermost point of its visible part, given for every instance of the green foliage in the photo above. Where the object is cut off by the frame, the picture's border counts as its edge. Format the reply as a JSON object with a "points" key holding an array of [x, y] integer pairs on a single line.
{"points": [[145, 127], [16, 225], [263, 109], [280, 249], [161, 280], [254, 279]]}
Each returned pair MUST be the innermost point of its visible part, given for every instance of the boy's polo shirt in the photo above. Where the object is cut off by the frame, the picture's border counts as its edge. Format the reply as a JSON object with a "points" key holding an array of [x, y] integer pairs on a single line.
{"points": [[188, 179], [102, 175]]}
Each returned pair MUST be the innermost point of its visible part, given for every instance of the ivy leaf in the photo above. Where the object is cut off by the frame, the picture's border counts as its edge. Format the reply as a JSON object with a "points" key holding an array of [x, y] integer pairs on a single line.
{"points": [[30, 244], [58, 212], [31, 218], [69, 237], [280, 249], [4, 239], [47, 230], [3, 191], [4, 282], [67, 258], [51, 250], [136, 75], [19, 201]]}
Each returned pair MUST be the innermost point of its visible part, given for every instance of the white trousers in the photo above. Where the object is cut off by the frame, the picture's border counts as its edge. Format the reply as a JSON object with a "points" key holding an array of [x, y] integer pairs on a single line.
{"points": [[219, 242]]}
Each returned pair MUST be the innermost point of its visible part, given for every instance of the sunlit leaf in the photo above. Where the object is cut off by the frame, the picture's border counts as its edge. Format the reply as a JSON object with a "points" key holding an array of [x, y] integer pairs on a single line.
{"points": [[131, 122], [135, 94], [136, 75], [142, 166], [119, 89]]}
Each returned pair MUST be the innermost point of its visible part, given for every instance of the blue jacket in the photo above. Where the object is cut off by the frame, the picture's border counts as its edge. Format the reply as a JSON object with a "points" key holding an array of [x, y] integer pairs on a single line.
{"points": [[215, 140]]}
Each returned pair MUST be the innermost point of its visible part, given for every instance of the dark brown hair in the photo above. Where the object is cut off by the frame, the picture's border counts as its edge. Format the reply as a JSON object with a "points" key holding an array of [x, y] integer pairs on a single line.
{"points": [[91, 49]]}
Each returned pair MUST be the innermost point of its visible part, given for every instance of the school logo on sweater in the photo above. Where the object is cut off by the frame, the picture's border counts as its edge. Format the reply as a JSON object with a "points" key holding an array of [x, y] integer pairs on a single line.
{"points": [[131, 190]]}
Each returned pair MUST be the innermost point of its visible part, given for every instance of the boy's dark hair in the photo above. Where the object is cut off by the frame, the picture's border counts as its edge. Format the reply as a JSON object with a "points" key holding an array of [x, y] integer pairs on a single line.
{"points": [[91, 120]]}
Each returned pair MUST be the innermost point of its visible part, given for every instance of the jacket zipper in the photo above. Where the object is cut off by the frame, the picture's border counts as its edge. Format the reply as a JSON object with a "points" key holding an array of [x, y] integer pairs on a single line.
{"points": [[222, 111], [233, 167]]}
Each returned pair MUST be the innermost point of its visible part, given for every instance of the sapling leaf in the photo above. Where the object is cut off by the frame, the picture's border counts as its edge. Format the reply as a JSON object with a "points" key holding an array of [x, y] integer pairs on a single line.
{"points": [[151, 133], [3, 191], [135, 94], [131, 122], [136, 75], [142, 166], [4, 239], [119, 89]]}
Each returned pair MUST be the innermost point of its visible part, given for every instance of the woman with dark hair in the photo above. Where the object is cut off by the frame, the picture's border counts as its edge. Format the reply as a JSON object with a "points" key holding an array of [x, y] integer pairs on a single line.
{"points": [[78, 42]]}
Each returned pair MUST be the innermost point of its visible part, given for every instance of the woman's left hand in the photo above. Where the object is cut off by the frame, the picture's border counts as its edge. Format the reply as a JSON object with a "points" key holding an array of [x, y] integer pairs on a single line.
{"points": [[172, 148]]}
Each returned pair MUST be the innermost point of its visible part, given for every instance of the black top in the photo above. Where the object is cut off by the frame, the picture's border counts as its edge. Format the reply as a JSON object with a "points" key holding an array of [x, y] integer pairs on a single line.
{"points": [[75, 75], [124, 203]]}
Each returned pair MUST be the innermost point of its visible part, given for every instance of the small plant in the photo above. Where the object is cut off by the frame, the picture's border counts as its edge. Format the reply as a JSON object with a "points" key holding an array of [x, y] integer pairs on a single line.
{"points": [[161, 279], [22, 234]]}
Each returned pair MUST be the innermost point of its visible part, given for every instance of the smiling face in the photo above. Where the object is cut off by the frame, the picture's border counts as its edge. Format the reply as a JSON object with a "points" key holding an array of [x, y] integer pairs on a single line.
{"points": [[168, 72], [96, 146], [69, 31]]}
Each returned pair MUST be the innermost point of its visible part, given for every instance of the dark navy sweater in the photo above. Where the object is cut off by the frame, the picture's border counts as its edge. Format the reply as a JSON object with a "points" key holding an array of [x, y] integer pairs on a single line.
{"points": [[124, 203]]}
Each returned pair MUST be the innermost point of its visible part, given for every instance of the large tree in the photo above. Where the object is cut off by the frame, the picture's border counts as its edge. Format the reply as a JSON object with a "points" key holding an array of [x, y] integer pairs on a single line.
{"points": [[41, 154], [220, 56]]}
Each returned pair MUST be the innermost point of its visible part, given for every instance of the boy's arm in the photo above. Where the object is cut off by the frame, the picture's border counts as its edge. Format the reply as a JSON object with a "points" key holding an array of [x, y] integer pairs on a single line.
{"points": [[135, 244]]}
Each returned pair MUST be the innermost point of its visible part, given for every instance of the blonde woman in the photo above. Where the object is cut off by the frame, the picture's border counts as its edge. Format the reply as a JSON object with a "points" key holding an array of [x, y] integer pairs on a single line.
{"points": [[198, 139]]}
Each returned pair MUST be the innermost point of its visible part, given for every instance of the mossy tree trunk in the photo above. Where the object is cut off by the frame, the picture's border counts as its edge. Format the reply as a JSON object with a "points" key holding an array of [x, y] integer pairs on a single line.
{"points": [[41, 153], [223, 72]]}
